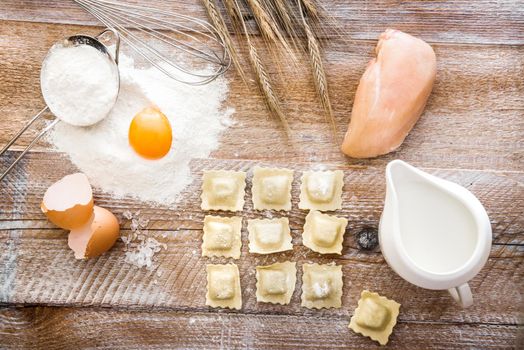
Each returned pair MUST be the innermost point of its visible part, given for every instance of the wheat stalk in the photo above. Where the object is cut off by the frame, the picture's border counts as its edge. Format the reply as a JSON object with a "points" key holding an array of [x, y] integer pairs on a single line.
{"points": [[236, 18], [262, 78], [310, 7], [268, 27], [288, 20], [266, 86], [319, 74], [221, 28]]}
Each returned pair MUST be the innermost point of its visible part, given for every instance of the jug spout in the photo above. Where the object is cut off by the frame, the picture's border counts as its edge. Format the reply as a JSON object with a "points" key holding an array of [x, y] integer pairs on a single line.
{"points": [[398, 173]]}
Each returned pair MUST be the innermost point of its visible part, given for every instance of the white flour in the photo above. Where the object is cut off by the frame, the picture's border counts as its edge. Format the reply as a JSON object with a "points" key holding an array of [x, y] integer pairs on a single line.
{"points": [[103, 153], [78, 84]]}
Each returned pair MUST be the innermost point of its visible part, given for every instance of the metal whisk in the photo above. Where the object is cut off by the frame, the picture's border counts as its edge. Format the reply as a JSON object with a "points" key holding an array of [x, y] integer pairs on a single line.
{"points": [[146, 29]]}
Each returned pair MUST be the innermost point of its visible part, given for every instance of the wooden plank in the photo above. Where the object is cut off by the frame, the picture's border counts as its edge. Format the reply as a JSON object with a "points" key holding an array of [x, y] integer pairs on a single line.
{"points": [[473, 119], [501, 193], [483, 22], [38, 268], [66, 328]]}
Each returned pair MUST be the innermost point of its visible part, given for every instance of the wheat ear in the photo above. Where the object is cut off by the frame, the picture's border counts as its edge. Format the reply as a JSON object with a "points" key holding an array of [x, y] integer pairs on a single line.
{"points": [[319, 74], [268, 27], [310, 8], [266, 87], [221, 28], [262, 78], [287, 17]]}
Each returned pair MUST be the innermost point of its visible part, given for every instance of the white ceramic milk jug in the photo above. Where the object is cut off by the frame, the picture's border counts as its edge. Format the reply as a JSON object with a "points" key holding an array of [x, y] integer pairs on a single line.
{"points": [[433, 233]]}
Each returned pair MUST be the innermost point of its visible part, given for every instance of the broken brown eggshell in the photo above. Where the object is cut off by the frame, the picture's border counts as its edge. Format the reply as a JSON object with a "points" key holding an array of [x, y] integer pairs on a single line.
{"points": [[95, 237], [68, 203]]}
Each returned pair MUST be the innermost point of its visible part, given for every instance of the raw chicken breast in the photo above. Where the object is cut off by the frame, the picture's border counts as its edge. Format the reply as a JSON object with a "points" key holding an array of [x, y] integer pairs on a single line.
{"points": [[391, 95]]}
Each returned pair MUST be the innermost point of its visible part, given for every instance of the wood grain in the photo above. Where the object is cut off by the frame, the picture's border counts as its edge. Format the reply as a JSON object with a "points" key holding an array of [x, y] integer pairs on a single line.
{"points": [[480, 22], [472, 132], [501, 193], [475, 112], [43, 271], [65, 328]]}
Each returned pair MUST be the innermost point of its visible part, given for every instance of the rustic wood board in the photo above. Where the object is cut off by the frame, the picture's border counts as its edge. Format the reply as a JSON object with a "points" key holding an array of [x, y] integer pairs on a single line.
{"points": [[472, 132], [65, 328]]}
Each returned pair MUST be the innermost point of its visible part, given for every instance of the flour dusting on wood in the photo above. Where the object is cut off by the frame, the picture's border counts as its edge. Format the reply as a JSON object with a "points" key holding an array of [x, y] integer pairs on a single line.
{"points": [[140, 248], [8, 271]]}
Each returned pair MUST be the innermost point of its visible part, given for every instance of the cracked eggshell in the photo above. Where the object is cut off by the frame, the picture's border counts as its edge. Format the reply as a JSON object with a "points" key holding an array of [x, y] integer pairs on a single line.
{"points": [[97, 236], [68, 203]]}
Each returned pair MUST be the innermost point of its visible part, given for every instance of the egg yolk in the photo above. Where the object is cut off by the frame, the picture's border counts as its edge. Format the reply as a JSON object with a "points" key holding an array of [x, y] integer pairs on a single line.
{"points": [[150, 133]]}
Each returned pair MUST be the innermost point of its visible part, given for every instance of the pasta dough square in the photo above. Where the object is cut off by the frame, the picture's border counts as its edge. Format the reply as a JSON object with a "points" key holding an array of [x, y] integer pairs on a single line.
{"points": [[268, 236], [324, 233], [223, 190], [321, 286], [276, 283], [272, 188], [223, 286], [375, 316], [321, 190], [222, 236]]}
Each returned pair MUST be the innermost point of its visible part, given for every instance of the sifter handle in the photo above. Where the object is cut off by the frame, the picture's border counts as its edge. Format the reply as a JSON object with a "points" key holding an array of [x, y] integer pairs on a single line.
{"points": [[31, 144]]}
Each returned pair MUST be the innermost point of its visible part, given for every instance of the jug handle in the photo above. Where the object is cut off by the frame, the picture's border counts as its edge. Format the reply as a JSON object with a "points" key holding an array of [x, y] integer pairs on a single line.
{"points": [[462, 295]]}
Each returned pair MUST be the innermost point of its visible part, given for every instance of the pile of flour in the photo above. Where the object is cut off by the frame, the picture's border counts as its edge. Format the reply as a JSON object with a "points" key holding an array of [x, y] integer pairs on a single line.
{"points": [[103, 153]]}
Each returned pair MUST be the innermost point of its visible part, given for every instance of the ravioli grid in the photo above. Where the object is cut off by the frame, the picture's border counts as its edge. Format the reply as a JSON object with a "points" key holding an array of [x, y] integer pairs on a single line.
{"points": [[271, 190]]}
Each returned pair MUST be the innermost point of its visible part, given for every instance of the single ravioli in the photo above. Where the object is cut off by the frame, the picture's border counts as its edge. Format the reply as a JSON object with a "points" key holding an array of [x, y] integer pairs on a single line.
{"points": [[223, 286], [276, 282], [324, 233], [268, 236], [321, 190], [322, 286], [223, 190], [222, 236], [272, 188], [375, 316]]}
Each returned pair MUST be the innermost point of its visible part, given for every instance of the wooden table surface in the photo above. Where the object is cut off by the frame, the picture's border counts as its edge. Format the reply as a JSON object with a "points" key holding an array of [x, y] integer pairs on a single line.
{"points": [[472, 132]]}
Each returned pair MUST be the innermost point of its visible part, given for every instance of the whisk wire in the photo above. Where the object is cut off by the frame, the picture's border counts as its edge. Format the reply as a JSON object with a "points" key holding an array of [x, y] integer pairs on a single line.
{"points": [[139, 41], [168, 28], [141, 11], [185, 31], [165, 39]]}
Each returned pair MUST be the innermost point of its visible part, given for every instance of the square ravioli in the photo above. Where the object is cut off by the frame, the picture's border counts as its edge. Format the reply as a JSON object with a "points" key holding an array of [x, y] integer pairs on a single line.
{"points": [[223, 190], [324, 233], [321, 286], [321, 190], [268, 236], [375, 316], [272, 188], [276, 283], [222, 236], [223, 286]]}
